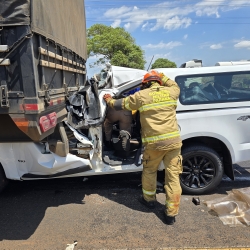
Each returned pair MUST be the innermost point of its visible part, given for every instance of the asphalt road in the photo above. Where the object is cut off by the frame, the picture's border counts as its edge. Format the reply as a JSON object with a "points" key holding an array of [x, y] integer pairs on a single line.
{"points": [[102, 212]]}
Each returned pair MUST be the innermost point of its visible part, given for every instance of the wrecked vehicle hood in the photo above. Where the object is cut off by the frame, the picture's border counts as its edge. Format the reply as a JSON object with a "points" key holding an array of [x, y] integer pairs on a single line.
{"points": [[122, 75], [86, 108]]}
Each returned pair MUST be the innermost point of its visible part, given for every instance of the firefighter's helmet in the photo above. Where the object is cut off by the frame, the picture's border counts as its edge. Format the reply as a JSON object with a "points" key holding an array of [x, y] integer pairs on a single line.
{"points": [[153, 75]]}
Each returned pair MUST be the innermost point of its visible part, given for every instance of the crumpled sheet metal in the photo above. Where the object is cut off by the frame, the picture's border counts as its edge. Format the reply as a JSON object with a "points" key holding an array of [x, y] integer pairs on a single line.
{"points": [[84, 107], [234, 209]]}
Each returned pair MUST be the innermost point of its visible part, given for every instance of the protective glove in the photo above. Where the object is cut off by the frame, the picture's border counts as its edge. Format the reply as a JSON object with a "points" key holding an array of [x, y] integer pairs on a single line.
{"points": [[163, 78], [166, 81], [107, 98]]}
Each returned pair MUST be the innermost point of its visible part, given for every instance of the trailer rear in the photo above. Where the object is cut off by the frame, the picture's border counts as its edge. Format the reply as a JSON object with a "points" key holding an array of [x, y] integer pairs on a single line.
{"points": [[42, 62]]}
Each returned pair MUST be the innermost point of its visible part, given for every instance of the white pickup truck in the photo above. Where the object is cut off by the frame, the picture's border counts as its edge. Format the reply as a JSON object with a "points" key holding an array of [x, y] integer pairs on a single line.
{"points": [[213, 115]]}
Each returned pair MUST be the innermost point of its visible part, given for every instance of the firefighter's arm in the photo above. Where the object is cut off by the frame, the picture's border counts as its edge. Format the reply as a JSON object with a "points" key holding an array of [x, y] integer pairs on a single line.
{"points": [[112, 102], [128, 103], [166, 81]]}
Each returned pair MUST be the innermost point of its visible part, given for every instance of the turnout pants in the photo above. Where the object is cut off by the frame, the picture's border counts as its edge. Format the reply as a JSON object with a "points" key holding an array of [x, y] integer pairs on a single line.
{"points": [[124, 117], [172, 160]]}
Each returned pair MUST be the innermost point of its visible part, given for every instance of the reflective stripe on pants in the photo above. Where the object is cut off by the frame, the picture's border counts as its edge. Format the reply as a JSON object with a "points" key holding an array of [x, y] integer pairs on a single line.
{"points": [[173, 168]]}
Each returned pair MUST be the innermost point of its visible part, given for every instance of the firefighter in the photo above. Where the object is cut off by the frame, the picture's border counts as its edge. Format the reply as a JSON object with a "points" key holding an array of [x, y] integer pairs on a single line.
{"points": [[156, 102]]}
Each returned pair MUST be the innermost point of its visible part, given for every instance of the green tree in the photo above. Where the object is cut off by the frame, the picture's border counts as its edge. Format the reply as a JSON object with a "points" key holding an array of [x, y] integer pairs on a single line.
{"points": [[163, 63], [114, 45]]}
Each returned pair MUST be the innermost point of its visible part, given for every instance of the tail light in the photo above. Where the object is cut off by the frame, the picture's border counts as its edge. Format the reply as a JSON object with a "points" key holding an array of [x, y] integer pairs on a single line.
{"points": [[47, 122]]}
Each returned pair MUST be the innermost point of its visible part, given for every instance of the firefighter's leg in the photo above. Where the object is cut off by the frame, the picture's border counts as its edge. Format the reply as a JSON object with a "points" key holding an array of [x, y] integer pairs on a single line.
{"points": [[173, 168], [151, 161]]}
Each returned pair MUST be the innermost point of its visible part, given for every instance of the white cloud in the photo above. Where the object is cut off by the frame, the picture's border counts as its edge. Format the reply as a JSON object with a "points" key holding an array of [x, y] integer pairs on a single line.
{"points": [[144, 26], [169, 15], [114, 12], [208, 7], [208, 11], [243, 44], [185, 37], [175, 23], [162, 55], [162, 45], [116, 23], [234, 4], [205, 45], [216, 46], [127, 26], [164, 16]]}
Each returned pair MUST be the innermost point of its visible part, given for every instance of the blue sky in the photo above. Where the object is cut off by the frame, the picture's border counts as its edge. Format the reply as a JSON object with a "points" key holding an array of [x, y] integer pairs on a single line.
{"points": [[179, 30]]}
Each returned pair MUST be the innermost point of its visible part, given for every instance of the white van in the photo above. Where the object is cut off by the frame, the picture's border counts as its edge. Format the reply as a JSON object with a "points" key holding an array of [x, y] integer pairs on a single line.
{"points": [[213, 115]]}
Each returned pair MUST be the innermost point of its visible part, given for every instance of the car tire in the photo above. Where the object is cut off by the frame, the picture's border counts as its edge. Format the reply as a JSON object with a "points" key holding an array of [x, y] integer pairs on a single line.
{"points": [[202, 170], [3, 179]]}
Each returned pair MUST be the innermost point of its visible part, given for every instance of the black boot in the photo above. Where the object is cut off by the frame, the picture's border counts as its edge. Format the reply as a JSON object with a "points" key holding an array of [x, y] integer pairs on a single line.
{"points": [[169, 220], [149, 204], [125, 137]]}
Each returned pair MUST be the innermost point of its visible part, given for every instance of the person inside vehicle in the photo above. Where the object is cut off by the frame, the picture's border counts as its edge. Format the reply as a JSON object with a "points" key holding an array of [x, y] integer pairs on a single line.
{"points": [[124, 120], [157, 102], [222, 83], [218, 88], [196, 94]]}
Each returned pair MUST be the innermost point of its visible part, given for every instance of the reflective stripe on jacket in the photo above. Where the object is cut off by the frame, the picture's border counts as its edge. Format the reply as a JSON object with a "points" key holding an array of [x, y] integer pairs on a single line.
{"points": [[157, 107]]}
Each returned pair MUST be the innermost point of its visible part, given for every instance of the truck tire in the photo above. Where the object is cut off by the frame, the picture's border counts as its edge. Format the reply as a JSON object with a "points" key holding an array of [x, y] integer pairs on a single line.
{"points": [[3, 179], [202, 170]]}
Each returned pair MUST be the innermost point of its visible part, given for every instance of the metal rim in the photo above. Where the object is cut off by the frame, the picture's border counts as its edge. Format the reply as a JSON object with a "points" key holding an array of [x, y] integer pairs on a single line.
{"points": [[198, 171]]}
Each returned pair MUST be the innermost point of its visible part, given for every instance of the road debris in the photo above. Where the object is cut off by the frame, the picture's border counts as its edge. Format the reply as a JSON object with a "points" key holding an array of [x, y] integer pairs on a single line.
{"points": [[196, 201], [234, 209], [71, 246]]}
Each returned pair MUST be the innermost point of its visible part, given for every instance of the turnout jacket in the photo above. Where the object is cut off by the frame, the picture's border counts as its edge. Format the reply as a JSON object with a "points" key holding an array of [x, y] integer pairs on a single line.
{"points": [[157, 107]]}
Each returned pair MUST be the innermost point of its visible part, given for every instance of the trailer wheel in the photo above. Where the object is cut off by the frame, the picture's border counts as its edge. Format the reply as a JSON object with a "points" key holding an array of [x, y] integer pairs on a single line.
{"points": [[202, 170], [3, 179]]}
